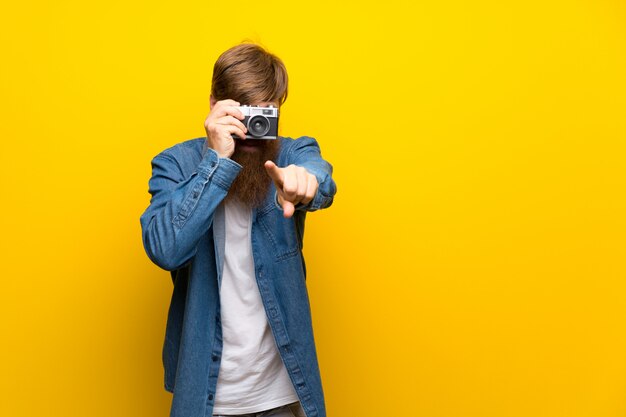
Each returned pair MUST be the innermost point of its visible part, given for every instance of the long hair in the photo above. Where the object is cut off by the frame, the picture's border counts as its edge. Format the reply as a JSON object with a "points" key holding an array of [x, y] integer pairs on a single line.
{"points": [[249, 74]]}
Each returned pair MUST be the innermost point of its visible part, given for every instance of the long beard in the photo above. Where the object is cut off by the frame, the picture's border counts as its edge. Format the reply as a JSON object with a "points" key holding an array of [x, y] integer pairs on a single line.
{"points": [[252, 183]]}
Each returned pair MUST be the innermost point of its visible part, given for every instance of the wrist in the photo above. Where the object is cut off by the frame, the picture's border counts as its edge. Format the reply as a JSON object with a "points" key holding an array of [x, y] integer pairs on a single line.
{"points": [[221, 152]]}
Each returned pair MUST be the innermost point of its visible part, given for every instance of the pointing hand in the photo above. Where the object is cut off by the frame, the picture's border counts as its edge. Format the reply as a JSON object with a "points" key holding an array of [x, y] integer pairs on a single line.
{"points": [[294, 185]]}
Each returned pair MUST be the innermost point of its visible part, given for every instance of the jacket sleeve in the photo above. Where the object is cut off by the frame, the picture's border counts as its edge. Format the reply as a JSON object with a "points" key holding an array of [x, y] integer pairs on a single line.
{"points": [[305, 152], [181, 208]]}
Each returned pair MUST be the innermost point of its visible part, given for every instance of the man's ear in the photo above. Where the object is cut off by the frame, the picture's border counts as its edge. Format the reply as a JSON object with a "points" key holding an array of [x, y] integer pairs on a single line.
{"points": [[212, 102]]}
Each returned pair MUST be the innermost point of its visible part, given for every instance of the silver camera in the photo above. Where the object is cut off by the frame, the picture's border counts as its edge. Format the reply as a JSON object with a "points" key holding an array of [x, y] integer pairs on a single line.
{"points": [[261, 122]]}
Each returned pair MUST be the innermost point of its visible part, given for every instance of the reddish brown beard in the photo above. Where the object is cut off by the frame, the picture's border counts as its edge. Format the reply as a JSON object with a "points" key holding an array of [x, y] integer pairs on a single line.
{"points": [[252, 183]]}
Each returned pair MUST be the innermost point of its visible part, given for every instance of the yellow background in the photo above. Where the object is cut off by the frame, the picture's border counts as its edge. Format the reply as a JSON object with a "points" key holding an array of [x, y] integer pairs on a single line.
{"points": [[473, 263]]}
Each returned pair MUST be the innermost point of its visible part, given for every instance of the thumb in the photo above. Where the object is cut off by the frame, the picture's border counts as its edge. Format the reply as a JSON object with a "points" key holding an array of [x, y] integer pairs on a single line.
{"points": [[288, 209], [274, 172]]}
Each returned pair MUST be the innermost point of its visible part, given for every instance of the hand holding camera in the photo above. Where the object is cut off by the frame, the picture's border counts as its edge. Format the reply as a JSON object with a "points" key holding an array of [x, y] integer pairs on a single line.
{"points": [[222, 124]]}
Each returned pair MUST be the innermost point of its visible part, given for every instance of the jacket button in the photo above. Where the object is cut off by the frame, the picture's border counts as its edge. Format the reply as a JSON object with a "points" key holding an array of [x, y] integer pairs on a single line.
{"points": [[214, 357], [210, 396]]}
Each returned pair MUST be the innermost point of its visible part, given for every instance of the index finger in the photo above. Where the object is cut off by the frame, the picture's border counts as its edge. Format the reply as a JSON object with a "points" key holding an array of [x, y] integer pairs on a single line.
{"points": [[274, 172], [228, 107], [227, 102]]}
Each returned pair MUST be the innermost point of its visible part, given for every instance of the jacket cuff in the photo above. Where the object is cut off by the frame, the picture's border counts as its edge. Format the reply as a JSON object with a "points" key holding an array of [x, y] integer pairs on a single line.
{"points": [[223, 170]]}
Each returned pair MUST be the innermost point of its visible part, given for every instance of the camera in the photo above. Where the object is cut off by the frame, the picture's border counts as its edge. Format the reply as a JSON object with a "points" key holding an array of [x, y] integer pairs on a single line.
{"points": [[261, 122]]}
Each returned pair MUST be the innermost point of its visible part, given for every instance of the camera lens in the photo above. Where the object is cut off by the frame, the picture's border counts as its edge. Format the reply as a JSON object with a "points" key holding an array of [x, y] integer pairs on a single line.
{"points": [[258, 126]]}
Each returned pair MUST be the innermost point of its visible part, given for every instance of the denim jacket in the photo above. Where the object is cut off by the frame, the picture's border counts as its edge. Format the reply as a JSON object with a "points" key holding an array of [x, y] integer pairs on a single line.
{"points": [[183, 232]]}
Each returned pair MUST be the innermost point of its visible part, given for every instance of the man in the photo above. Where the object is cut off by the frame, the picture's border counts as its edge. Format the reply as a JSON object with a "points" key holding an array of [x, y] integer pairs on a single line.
{"points": [[226, 218]]}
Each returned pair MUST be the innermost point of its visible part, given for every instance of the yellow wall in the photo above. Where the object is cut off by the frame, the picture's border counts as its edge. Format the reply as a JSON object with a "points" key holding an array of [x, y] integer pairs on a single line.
{"points": [[473, 263]]}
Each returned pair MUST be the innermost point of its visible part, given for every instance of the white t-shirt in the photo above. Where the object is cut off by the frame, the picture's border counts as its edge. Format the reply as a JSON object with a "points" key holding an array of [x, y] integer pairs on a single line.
{"points": [[252, 375]]}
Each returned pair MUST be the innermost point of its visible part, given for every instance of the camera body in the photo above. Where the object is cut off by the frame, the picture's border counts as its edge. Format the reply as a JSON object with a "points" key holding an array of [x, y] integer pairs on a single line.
{"points": [[261, 122]]}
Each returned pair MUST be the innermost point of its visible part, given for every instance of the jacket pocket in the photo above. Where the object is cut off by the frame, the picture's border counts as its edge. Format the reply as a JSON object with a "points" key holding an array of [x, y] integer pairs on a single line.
{"points": [[280, 231]]}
